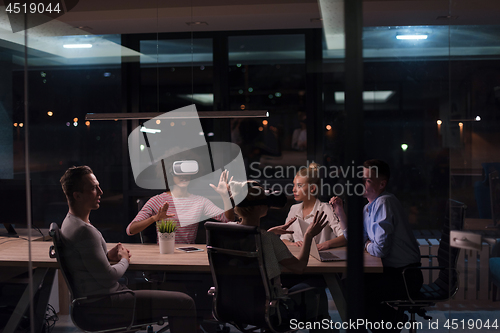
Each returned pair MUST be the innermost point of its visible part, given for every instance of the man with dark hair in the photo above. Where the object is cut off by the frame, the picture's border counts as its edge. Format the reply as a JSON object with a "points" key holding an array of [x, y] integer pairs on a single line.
{"points": [[388, 236], [89, 263], [381, 169], [72, 181]]}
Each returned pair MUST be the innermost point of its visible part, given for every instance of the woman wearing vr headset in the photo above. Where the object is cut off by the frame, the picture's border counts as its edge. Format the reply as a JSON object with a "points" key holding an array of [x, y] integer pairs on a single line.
{"points": [[194, 208], [276, 254], [305, 189]]}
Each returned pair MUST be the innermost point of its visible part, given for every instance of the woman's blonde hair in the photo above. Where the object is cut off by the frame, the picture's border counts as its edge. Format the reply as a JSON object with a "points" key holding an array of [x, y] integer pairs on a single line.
{"points": [[311, 173]]}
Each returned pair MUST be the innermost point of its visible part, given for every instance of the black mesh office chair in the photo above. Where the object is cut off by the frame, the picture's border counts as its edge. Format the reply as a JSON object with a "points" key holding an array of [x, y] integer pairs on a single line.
{"points": [[112, 323], [447, 283], [495, 269], [243, 295], [495, 199]]}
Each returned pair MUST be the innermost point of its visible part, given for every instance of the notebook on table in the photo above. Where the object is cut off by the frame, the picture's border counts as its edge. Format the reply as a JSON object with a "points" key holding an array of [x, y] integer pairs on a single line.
{"points": [[330, 255]]}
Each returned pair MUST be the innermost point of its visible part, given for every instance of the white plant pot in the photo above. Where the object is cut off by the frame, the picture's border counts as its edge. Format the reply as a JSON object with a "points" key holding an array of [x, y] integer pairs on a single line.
{"points": [[167, 242]]}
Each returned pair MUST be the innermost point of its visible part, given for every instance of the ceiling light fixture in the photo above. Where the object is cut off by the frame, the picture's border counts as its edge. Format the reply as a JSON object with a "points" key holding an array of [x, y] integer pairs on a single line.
{"points": [[149, 130], [204, 99], [77, 46], [379, 96], [414, 37], [161, 115]]}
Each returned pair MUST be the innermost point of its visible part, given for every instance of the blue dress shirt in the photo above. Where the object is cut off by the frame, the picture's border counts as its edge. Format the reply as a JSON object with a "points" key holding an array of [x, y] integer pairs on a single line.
{"points": [[387, 227]]}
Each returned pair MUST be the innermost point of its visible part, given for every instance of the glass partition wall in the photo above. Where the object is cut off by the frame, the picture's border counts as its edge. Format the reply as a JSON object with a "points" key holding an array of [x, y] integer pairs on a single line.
{"points": [[430, 109]]}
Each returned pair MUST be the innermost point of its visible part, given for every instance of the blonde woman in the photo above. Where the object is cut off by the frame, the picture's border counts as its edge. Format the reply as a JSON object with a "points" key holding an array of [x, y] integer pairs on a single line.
{"points": [[306, 187]]}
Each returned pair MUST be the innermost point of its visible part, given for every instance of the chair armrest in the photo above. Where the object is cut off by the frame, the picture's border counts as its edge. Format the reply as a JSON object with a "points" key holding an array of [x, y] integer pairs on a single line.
{"points": [[423, 268], [289, 296], [148, 278], [103, 296], [299, 291], [428, 256], [52, 252], [286, 296]]}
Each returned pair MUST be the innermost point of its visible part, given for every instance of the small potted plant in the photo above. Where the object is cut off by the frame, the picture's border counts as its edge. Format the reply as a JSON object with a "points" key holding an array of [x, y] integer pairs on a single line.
{"points": [[166, 235]]}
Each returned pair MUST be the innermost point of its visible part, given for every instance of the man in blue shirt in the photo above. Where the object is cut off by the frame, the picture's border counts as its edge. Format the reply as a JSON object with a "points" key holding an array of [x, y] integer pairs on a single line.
{"points": [[387, 235]]}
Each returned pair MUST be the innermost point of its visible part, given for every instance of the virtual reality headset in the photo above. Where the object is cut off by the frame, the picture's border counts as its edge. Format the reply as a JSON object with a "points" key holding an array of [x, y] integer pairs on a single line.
{"points": [[185, 168]]}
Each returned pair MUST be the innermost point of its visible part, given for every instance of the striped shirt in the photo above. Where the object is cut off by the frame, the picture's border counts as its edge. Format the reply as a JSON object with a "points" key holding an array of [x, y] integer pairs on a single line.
{"points": [[188, 212]]}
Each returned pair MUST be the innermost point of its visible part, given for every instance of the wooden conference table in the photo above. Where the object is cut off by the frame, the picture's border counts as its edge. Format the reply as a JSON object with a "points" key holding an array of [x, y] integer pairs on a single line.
{"points": [[147, 257]]}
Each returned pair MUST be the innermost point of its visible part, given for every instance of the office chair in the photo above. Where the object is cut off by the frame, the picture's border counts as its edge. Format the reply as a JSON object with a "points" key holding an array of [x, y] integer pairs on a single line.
{"points": [[495, 199], [119, 322], [447, 283], [149, 236], [495, 269], [243, 295], [194, 286], [482, 190]]}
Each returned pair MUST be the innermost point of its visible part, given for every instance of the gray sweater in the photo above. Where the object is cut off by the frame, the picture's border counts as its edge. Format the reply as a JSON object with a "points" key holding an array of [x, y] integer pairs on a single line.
{"points": [[85, 251]]}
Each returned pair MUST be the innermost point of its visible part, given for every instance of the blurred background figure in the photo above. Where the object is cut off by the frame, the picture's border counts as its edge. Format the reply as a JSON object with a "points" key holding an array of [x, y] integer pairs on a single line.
{"points": [[299, 137]]}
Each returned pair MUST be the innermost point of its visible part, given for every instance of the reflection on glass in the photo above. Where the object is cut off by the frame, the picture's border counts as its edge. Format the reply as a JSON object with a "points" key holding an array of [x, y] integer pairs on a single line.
{"points": [[268, 73], [176, 73]]}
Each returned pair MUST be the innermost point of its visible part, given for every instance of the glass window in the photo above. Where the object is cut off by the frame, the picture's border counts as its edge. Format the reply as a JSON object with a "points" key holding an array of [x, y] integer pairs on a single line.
{"points": [[175, 73], [267, 72], [64, 84]]}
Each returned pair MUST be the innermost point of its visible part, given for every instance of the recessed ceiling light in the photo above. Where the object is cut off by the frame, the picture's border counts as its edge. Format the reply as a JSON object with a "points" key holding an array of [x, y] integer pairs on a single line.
{"points": [[77, 46], [411, 37]]}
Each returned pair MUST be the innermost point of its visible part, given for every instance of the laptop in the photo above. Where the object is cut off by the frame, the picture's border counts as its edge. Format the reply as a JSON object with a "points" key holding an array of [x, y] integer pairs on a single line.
{"points": [[330, 255]]}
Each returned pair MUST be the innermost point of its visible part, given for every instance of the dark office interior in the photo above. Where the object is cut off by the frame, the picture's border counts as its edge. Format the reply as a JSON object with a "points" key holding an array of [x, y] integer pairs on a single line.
{"points": [[429, 107]]}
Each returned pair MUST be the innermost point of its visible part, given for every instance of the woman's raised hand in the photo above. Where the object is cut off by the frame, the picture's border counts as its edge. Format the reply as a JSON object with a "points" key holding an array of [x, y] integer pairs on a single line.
{"points": [[162, 214], [337, 205], [223, 187], [282, 229], [318, 224]]}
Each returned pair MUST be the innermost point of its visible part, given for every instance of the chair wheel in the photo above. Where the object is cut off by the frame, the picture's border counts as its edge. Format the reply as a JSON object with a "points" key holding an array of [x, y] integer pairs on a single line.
{"points": [[423, 313]]}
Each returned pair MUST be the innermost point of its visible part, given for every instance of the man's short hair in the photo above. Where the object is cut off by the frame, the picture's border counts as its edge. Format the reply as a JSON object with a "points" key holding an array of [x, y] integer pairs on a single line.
{"points": [[382, 169], [71, 181]]}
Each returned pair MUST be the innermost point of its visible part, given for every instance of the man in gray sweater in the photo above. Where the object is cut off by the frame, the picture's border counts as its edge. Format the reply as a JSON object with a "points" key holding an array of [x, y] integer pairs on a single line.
{"points": [[92, 273]]}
